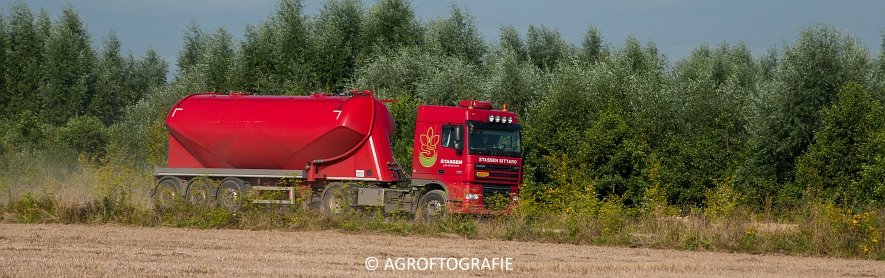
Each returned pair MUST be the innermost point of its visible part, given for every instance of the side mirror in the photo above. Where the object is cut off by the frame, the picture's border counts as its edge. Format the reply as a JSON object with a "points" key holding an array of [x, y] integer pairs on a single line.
{"points": [[459, 139]]}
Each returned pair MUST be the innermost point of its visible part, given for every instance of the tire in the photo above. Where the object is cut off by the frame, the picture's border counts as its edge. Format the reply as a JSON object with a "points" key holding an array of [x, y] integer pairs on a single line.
{"points": [[432, 206], [167, 192], [336, 199], [230, 194], [199, 191]]}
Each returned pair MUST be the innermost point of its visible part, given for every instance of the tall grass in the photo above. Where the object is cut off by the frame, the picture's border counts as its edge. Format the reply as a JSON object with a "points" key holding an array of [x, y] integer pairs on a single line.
{"points": [[116, 194]]}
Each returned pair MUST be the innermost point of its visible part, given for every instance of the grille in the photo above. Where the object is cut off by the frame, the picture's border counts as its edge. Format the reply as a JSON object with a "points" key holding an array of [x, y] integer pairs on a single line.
{"points": [[498, 174]]}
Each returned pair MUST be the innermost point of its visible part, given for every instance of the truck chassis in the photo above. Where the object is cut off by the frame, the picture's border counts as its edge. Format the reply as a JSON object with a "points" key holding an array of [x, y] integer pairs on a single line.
{"points": [[227, 187]]}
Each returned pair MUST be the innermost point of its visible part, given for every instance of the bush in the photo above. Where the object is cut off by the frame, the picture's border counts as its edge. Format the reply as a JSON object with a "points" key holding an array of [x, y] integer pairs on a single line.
{"points": [[86, 135]]}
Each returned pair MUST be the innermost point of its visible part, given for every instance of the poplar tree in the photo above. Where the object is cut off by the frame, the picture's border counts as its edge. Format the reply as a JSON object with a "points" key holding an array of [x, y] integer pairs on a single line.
{"points": [[335, 45], [389, 25], [456, 36], [69, 60], [109, 98], [24, 63]]}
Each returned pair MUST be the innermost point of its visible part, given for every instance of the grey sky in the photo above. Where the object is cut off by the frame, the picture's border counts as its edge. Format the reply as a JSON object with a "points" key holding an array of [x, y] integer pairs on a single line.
{"points": [[675, 26]]}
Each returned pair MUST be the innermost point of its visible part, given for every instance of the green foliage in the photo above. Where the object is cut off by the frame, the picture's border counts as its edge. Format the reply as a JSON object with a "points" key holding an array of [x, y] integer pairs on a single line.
{"points": [[85, 135], [709, 139], [449, 80], [723, 200], [109, 98], [393, 75], [546, 47], [463, 225], [613, 157], [390, 25], [218, 61], [144, 75], [157, 142], [291, 28], [807, 79], [861, 231], [844, 149], [335, 44], [456, 36], [142, 133], [638, 59], [210, 55], [880, 69], [23, 68], [190, 54], [56, 87], [69, 63], [33, 209], [515, 83], [256, 69], [272, 59], [592, 48], [566, 192], [511, 41]]}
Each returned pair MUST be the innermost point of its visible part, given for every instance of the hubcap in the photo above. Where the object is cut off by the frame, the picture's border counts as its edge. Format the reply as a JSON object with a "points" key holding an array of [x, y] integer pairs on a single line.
{"points": [[199, 194], [433, 208], [334, 205], [165, 195], [230, 198]]}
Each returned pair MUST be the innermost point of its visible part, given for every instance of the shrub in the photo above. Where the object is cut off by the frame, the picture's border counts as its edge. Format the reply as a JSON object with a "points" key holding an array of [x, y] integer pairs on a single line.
{"points": [[86, 135]]}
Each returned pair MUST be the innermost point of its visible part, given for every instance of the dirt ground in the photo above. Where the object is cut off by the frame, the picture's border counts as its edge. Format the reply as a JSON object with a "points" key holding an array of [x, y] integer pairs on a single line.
{"points": [[103, 250]]}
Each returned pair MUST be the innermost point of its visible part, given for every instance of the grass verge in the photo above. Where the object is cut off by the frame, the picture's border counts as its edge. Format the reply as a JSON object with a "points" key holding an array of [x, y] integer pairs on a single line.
{"points": [[120, 196]]}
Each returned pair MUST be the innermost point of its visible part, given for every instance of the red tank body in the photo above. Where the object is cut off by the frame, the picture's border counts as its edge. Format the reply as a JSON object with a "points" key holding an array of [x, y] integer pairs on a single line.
{"points": [[347, 137]]}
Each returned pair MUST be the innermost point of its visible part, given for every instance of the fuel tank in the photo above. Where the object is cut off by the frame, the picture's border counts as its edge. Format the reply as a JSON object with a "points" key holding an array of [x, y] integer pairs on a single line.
{"points": [[348, 134]]}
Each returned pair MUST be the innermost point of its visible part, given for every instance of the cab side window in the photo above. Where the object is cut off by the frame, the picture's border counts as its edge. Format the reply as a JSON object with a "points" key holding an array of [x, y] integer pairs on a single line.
{"points": [[448, 136]]}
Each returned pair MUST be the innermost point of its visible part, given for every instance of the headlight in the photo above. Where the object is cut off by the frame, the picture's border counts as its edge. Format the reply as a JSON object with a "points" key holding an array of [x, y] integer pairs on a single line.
{"points": [[497, 119], [516, 198], [471, 196], [509, 120], [491, 118]]}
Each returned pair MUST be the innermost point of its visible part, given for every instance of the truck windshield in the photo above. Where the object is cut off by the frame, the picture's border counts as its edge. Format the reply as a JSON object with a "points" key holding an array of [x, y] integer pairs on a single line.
{"points": [[494, 142]]}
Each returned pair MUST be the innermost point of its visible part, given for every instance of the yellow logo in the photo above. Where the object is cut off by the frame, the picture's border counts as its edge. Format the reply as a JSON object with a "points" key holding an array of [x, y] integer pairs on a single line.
{"points": [[429, 142]]}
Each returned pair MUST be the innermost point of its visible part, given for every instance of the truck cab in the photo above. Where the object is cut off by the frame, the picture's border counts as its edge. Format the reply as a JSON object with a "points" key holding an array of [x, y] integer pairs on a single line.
{"points": [[472, 152]]}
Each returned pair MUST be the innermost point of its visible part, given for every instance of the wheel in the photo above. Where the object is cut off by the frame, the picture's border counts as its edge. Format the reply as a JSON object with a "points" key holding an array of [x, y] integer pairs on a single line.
{"points": [[167, 192], [199, 191], [432, 206], [336, 199], [230, 194]]}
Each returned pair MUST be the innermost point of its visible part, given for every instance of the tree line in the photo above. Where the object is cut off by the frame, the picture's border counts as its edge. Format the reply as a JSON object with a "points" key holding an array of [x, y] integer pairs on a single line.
{"points": [[56, 89], [801, 122]]}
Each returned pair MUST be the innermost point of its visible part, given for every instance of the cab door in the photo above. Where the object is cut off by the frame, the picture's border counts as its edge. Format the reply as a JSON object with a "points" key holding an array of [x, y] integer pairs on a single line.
{"points": [[425, 157], [435, 153], [451, 160]]}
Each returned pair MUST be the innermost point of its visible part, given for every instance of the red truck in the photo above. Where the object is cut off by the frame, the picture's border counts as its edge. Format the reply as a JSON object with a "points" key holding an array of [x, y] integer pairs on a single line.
{"points": [[334, 151]]}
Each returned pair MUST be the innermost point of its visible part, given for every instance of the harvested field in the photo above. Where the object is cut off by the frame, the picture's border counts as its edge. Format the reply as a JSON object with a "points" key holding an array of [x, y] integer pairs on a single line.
{"points": [[36, 250]]}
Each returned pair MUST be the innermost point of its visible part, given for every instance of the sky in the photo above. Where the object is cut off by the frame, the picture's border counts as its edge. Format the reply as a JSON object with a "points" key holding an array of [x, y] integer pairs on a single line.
{"points": [[675, 26]]}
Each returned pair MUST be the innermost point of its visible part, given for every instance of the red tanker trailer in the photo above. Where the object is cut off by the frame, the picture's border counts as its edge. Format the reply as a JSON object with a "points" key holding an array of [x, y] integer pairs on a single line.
{"points": [[334, 151]]}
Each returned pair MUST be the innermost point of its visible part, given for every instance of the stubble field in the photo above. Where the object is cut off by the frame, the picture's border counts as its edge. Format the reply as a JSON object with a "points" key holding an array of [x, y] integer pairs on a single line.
{"points": [[46, 250]]}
